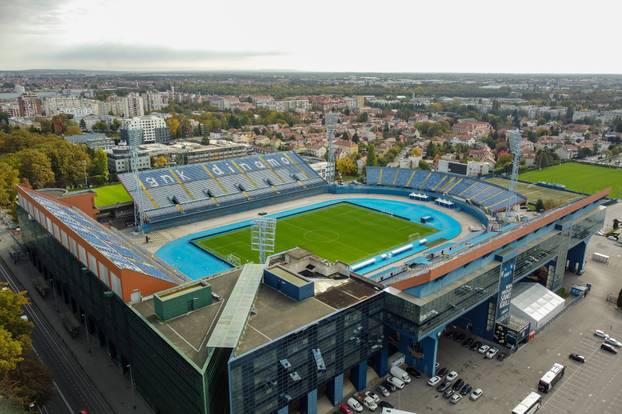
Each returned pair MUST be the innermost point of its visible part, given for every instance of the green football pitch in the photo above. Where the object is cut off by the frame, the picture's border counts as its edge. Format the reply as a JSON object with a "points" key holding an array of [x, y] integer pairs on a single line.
{"points": [[111, 194], [580, 177], [342, 231]]}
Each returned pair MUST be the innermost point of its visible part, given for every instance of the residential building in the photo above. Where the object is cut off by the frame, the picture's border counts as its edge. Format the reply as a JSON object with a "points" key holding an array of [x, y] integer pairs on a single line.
{"points": [[145, 129], [472, 128], [29, 105], [119, 159], [10, 107], [93, 140], [70, 105]]}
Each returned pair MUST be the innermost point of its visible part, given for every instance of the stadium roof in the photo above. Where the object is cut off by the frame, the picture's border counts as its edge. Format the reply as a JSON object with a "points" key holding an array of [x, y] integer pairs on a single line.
{"points": [[103, 240]]}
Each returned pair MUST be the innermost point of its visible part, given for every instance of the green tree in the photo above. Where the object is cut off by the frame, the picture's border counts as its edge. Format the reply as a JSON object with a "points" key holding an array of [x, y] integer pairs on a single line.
{"points": [[539, 205], [100, 126], [99, 166], [82, 124], [9, 178], [423, 165], [363, 117], [36, 167], [372, 158], [346, 166]]}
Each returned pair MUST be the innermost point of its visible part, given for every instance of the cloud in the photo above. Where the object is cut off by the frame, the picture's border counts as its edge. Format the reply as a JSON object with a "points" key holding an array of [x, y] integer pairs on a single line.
{"points": [[122, 53]]}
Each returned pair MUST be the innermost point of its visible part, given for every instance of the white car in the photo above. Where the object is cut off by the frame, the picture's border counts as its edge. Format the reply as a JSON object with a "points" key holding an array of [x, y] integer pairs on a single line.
{"points": [[398, 383], [614, 342], [370, 403], [601, 334], [373, 396], [355, 405], [483, 349], [491, 353], [383, 390], [455, 399], [435, 380], [475, 394], [451, 376]]}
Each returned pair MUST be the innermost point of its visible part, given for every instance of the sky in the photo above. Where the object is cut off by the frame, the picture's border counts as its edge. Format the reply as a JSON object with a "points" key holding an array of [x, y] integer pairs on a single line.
{"points": [[480, 36]]}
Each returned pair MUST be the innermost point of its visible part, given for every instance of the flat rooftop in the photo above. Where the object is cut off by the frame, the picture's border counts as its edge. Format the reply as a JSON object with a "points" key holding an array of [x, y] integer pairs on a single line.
{"points": [[276, 314], [189, 332]]}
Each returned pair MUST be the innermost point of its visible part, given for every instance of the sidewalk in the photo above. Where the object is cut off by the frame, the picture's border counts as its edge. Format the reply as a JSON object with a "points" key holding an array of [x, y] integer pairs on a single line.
{"points": [[106, 375]]}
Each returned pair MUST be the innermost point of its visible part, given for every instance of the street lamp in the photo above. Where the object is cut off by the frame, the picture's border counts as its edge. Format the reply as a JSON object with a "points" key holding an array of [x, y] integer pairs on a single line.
{"points": [[129, 366], [86, 329], [54, 292]]}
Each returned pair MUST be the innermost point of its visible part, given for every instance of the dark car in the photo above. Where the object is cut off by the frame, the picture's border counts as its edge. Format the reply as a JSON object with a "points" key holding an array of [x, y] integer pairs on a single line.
{"points": [[577, 357], [448, 393], [389, 386], [449, 334], [413, 372], [608, 348], [467, 342], [441, 372], [475, 346], [443, 387], [459, 337], [501, 356], [385, 404], [458, 384], [466, 389]]}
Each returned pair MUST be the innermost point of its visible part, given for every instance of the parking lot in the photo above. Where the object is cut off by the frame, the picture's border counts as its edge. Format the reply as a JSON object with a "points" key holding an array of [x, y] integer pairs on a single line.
{"points": [[593, 387]]}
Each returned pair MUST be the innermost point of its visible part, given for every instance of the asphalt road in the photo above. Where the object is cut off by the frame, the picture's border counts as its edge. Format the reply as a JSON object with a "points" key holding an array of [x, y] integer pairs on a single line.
{"points": [[74, 389]]}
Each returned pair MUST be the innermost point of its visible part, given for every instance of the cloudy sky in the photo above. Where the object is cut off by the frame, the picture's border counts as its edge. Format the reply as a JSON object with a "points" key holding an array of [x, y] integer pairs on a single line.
{"points": [[544, 36]]}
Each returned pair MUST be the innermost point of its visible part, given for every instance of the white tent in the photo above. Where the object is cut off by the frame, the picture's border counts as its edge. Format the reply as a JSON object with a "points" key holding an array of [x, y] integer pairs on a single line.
{"points": [[535, 303]]}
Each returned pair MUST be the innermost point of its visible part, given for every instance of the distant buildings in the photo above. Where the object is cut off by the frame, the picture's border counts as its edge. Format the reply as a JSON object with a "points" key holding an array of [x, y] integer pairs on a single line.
{"points": [[128, 106], [29, 105], [472, 128], [93, 140], [145, 130], [70, 105]]}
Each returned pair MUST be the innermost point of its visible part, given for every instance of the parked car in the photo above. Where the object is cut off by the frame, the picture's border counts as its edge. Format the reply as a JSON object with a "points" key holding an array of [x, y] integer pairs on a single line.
{"points": [[577, 357], [501, 356], [435, 380], [355, 405], [441, 372], [385, 404], [412, 371], [467, 342], [382, 390], [608, 348], [614, 342], [443, 387], [389, 386], [449, 334], [370, 403], [475, 346], [455, 399], [483, 349], [458, 384], [476, 394], [344, 409], [448, 392], [491, 353], [397, 382], [466, 389], [400, 373], [451, 376], [459, 337], [600, 334], [373, 396]]}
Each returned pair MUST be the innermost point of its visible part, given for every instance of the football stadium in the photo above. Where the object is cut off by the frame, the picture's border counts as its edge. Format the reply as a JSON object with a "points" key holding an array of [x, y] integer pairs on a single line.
{"points": [[255, 286]]}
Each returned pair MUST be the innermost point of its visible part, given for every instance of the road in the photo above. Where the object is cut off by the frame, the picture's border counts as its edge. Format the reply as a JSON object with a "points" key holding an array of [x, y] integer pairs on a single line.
{"points": [[74, 388]]}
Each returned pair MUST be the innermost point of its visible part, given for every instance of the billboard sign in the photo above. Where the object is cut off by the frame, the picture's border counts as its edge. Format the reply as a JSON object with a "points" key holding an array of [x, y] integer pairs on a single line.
{"points": [[505, 289]]}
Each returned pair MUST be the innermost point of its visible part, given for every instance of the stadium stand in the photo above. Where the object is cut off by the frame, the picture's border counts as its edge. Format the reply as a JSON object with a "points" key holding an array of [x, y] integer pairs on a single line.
{"points": [[179, 191], [488, 196]]}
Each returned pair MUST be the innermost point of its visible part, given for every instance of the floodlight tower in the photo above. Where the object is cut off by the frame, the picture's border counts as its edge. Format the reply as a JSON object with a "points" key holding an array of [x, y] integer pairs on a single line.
{"points": [[263, 236], [514, 138], [134, 138], [331, 122]]}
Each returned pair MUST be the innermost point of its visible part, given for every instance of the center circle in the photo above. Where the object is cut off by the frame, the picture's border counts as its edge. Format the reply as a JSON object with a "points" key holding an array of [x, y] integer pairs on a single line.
{"points": [[321, 235]]}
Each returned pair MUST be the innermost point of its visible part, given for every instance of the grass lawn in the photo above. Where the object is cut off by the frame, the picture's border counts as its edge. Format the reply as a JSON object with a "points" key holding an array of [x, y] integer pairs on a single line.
{"points": [[111, 194], [579, 177], [534, 192], [342, 231]]}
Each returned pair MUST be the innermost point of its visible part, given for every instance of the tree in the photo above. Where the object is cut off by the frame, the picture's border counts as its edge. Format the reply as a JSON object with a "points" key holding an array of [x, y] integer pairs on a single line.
{"points": [[9, 178], [372, 158], [14, 331], [619, 303], [504, 162], [99, 165], [159, 161], [539, 205], [83, 125], [423, 165], [100, 126], [346, 166], [36, 167], [363, 117], [355, 138], [173, 124]]}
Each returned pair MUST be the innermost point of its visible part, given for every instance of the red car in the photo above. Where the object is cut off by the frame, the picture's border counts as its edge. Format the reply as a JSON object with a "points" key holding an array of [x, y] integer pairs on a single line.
{"points": [[344, 409]]}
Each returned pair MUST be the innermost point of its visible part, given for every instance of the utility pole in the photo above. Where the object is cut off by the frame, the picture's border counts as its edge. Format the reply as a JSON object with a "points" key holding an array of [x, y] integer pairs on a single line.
{"points": [[54, 292], [133, 386], [86, 329]]}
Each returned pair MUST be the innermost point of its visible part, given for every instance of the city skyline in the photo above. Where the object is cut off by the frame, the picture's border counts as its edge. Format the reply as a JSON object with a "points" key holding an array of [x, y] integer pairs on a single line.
{"points": [[476, 37]]}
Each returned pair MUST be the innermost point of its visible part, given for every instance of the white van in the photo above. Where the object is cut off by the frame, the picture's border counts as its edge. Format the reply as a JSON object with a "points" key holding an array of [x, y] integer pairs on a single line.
{"points": [[400, 373]]}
